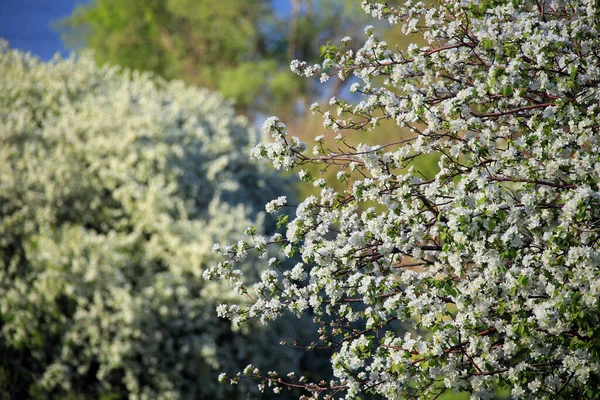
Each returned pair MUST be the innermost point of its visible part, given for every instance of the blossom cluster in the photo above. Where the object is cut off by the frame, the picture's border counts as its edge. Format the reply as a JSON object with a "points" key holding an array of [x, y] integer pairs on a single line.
{"points": [[486, 276], [113, 187]]}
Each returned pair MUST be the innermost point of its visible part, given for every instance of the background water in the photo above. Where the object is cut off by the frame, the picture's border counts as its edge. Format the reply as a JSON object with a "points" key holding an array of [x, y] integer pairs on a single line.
{"points": [[28, 24]]}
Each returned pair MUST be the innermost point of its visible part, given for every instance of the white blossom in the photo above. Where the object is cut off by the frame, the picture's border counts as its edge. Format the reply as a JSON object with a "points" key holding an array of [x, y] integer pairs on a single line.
{"points": [[491, 261]]}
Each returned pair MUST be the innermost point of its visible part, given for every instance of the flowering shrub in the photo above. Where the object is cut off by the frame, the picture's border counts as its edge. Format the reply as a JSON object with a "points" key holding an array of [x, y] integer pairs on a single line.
{"points": [[113, 188], [486, 276]]}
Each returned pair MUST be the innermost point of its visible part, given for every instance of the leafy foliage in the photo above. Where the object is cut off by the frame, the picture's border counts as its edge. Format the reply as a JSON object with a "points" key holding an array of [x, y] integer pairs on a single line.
{"points": [[239, 48], [494, 262]]}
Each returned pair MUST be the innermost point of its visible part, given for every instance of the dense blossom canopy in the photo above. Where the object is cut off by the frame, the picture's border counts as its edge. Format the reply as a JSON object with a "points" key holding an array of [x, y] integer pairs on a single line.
{"points": [[486, 277], [113, 188]]}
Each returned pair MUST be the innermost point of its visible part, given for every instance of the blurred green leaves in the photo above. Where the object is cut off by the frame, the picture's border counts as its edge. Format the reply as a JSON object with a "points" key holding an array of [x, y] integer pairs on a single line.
{"points": [[239, 48]]}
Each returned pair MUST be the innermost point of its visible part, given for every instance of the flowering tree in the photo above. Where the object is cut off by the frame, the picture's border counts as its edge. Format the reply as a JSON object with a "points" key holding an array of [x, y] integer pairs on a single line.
{"points": [[113, 188], [493, 266]]}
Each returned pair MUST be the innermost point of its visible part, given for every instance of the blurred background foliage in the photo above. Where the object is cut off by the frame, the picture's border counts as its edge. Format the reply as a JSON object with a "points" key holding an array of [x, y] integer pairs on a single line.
{"points": [[239, 48], [113, 188]]}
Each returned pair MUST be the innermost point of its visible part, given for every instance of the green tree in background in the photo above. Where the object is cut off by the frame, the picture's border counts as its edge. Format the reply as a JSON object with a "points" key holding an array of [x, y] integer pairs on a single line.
{"points": [[239, 48]]}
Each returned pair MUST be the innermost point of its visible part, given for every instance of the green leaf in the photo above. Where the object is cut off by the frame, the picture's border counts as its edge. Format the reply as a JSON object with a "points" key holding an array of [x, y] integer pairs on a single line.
{"points": [[282, 220], [487, 43]]}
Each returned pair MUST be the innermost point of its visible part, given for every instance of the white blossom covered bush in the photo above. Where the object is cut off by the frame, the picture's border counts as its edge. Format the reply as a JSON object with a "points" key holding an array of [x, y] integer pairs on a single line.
{"points": [[113, 188], [494, 264]]}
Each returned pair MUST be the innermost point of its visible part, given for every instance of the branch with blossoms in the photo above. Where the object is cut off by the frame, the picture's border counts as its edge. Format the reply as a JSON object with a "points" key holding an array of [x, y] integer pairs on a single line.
{"points": [[486, 274], [277, 384]]}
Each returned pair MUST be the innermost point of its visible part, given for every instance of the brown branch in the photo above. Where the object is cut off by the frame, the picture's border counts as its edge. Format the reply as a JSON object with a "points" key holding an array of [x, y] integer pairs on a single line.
{"points": [[514, 110], [534, 181]]}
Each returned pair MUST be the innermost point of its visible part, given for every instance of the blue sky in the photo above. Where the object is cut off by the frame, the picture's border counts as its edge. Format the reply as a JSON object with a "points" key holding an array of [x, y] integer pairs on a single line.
{"points": [[27, 24]]}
